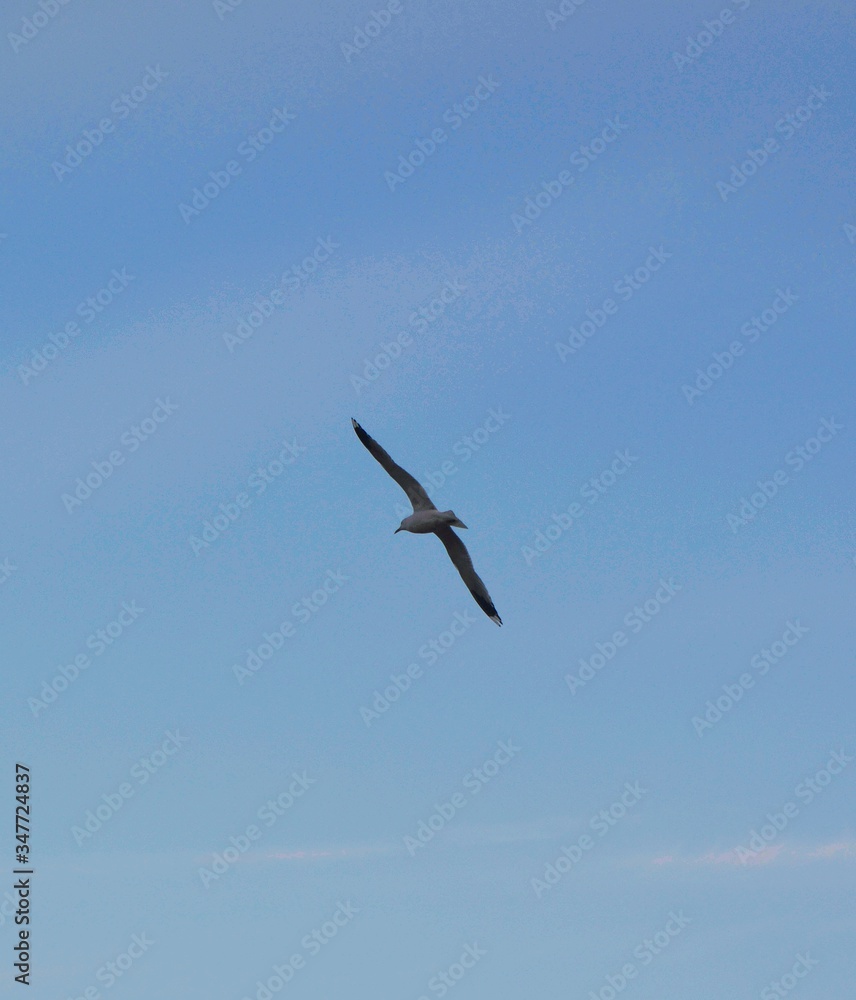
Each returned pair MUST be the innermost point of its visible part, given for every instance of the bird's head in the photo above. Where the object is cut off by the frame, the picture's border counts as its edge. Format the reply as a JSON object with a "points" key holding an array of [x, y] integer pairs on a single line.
{"points": [[400, 528]]}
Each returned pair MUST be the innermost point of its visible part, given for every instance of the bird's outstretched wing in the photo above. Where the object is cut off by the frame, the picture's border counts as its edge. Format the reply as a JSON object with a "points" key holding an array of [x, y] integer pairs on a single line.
{"points": [[464, 565], [415, 493]]}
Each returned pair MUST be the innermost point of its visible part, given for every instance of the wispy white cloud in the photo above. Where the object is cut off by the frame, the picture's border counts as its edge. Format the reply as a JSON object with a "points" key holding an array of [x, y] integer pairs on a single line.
{"points": [[841, 850], [485, 835], [347, 852]]}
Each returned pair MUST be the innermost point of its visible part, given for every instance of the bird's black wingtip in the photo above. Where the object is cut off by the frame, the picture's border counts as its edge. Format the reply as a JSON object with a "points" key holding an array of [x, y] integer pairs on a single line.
{"points": [[488, 608], [361, 434]]}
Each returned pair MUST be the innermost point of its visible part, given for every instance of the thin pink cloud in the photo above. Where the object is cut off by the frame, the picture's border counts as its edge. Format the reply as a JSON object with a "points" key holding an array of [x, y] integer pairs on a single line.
{"points": [[840, 848], [303, 855], [765, 857], [777, 853], [327, 853]]}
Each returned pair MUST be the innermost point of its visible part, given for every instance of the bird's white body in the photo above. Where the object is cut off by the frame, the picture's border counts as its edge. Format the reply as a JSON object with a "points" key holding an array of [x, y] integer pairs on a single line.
{"points": [[423, 522]]}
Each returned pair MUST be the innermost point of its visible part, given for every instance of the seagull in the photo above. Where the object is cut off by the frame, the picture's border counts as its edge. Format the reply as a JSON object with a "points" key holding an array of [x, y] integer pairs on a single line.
{"points": [[426, 519]]}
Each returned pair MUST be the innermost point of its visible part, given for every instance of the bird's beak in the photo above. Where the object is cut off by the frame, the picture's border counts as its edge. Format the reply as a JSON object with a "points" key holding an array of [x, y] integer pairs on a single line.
{"points": [[396, 531]]}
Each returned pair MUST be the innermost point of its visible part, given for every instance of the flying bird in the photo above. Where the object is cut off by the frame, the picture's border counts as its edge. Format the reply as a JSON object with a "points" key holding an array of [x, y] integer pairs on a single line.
{"points": [[426, 519]]}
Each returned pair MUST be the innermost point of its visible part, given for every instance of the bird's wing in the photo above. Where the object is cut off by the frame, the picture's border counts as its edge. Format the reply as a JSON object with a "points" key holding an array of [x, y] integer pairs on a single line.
{"points": [[464, 565], [415, 493]]}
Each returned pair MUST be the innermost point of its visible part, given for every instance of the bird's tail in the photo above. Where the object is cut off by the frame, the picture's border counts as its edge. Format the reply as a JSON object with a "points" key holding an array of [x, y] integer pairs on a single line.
{"points": [[454, 520]]}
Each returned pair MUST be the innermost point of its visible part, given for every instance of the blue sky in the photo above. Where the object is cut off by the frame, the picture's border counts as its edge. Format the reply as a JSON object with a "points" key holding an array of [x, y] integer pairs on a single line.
{"points": [[607, 315]]}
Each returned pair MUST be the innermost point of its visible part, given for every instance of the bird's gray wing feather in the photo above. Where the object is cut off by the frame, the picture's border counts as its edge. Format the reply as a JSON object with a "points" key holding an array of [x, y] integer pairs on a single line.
{"points": [[412, 487], [464, 565]]}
